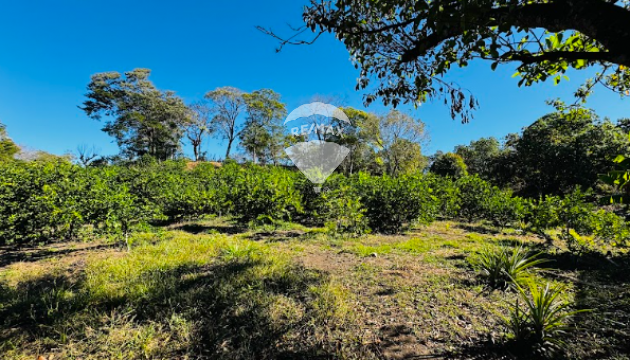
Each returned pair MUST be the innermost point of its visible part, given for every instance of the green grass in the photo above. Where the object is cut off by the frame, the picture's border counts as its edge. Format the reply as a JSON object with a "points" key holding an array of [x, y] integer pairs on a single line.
{"points": [[206, 290]]}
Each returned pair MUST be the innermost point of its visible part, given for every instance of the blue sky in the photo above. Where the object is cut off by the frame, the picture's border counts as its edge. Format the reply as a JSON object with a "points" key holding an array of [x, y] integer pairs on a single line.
{"points": [[50, 49]]}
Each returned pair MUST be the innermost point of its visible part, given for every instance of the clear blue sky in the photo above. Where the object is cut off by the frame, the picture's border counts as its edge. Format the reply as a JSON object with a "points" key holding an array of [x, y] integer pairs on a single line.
{"points": [[50, 49]]}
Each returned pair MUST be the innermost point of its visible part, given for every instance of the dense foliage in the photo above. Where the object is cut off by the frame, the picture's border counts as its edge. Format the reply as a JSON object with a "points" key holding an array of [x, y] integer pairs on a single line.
{"points": [[406, 47], [449, 164], [145, 120], [51, 200], [8, 148], [558, 152]]}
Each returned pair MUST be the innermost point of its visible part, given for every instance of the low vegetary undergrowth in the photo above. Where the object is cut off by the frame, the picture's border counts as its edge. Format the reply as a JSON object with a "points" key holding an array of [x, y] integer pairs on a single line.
{"points": [[208, 289], [505, 267], [183, 296], [539, 321]]}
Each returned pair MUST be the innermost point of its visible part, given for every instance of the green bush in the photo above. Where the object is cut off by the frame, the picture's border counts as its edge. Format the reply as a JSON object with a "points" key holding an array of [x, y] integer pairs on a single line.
{"points": [[474, 195], [41, 201], [189, 194], [316, 210], [544, 214], [577, 214], [393, 203], [611, 228], [51, 200], [504, 209], [447, 194], [264, 194], [343, 212]]}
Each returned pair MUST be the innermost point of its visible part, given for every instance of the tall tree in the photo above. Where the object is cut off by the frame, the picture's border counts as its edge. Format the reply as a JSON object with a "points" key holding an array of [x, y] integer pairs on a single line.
{"points": [[479, 156], [399, 138], [449, 164], [262, 135], [362, 138], [408, 45], [564, 150], [227, 104], [143, 119], [8, 149], [199, 125]]}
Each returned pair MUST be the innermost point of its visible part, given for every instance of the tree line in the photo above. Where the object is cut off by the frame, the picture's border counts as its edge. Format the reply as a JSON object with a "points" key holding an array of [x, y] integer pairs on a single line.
{"points": [[557, 153], [553, 156], [146, 121]]}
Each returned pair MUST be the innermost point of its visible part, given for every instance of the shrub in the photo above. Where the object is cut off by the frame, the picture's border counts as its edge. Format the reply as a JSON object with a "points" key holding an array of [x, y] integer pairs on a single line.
{"points": [[264, 194], [447, 194], [575, 213], [544, 214], [502, 268], [543, 321], [393, 203], [113, 207], [41, 201], [343, 212], [503, 209], [316, 211], [474, 194], [189, 194], [611, 228]]}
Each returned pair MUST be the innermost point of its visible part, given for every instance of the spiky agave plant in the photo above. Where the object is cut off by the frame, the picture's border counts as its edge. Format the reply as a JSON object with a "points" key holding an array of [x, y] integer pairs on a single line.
{"points": [[503, 268], [544, 320]]}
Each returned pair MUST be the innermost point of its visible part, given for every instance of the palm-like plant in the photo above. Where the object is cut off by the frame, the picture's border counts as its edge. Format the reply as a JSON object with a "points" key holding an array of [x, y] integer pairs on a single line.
{"points": [[544, 320], [239, 252], [503, 268]]}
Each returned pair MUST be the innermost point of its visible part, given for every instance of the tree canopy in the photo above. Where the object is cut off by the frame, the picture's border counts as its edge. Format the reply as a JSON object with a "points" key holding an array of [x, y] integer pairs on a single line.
{"points": [[552, 156], [143, 119], [479, 156], [8, 149], [561, 151], [227, 103], [449, 164], [408, 45], [262, 135]]}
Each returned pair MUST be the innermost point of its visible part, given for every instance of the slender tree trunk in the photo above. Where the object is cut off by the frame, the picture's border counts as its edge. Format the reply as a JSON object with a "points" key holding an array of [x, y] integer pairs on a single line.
{"points": [[229, 147]]}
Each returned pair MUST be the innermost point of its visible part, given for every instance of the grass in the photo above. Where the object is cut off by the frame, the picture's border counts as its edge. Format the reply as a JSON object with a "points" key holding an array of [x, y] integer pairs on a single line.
{"points": [[208, 290]]}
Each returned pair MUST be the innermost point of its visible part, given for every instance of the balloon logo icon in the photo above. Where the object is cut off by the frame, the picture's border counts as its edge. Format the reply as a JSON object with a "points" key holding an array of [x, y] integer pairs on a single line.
{"points": [[317, 159]]}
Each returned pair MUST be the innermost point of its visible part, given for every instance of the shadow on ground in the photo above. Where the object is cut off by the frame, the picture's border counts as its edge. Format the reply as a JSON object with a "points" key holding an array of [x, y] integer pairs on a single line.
{"points": [[601, 285], [10, 255], [478, 228], [604, 287], [209, 229], [230, 307], [277, 235]]}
